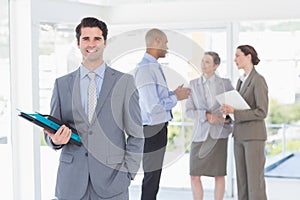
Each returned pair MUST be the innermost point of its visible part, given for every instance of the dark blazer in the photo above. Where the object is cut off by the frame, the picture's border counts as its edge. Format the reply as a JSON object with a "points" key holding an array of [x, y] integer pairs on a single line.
{"points": [[107, 156], [249, 124]]}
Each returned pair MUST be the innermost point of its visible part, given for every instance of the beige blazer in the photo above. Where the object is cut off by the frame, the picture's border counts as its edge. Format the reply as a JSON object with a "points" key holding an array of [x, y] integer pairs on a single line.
{"points": [[249, 124], [197, 106]]}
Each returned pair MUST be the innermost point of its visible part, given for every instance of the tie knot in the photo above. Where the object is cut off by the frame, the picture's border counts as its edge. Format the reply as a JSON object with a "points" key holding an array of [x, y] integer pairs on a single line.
{"points": [[92, 75]]}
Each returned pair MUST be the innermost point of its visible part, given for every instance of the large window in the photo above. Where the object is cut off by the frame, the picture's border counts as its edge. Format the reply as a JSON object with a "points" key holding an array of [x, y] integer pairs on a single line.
{"points": [[5, 118], [277, 46], [275, 43], [58, 55], [180, 66]]}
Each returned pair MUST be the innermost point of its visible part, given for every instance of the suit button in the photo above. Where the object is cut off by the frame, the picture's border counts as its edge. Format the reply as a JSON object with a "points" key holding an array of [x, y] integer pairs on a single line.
{"points": [[90, 132], [86, 154]]}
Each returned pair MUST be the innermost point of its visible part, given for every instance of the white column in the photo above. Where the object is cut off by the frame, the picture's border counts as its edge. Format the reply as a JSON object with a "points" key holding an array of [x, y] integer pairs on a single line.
{"points": [[24, 79], [232, 42]]}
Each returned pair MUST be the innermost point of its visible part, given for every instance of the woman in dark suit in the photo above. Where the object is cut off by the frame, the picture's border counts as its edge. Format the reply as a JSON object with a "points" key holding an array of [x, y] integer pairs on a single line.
{"points": [[249, 127]]}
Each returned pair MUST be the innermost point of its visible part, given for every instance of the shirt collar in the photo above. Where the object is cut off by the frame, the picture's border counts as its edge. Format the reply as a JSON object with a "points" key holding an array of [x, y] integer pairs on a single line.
{"points": [[99, 71], [244, 76], [150, 58], [211, 79]]}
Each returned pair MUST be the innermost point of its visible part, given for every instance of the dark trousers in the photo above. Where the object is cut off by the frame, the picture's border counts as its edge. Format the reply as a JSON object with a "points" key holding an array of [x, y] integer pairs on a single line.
{"points": [[154, 151]]}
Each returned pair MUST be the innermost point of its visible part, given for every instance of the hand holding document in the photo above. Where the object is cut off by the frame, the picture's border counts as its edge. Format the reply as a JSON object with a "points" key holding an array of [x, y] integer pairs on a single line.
{"points": [[233, 99]]}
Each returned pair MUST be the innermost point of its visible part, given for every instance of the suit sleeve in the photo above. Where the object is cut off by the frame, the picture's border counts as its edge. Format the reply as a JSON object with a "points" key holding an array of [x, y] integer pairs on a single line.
{"points": [[55, 112], [133, 128], [259, 109], [228, 85]]}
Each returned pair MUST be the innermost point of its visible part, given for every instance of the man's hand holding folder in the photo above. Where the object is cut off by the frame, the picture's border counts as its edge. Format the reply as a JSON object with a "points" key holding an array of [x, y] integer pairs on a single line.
{"points": [[61, 136], [59, 133]]}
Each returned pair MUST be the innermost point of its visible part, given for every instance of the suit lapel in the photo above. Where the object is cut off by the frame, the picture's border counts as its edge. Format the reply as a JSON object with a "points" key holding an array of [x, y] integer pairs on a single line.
{"points": [[201, 93], [248, 81], [107, 85], [220, 87], [74, 87]]}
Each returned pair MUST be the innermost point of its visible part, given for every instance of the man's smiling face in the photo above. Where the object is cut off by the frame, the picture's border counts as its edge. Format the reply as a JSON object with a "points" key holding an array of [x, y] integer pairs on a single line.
{"points": [[91, 44]]}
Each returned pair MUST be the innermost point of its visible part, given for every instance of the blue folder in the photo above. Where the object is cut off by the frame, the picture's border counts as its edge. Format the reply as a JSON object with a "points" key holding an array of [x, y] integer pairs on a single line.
{"points": [[51, 124]]}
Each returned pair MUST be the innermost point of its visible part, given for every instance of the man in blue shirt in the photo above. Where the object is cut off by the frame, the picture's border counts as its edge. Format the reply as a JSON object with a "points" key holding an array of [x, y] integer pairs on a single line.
{"points": [[156, 102]]}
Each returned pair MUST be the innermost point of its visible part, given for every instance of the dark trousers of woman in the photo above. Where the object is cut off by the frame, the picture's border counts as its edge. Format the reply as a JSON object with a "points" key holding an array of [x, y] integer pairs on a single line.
{"points": [[154, 151]]}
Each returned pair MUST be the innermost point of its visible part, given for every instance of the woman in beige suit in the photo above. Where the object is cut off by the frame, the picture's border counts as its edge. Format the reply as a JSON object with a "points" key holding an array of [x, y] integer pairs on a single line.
{"points": [[208, 154], [249, 127]]}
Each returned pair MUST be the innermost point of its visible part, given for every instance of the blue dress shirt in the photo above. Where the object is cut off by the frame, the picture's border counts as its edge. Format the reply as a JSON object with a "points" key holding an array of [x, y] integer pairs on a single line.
{"points": [[156, 101], [85, 81]]}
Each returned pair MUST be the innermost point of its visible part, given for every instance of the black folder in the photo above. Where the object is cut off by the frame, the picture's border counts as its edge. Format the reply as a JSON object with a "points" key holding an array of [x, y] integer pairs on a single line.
{"points": [[51, 124]]}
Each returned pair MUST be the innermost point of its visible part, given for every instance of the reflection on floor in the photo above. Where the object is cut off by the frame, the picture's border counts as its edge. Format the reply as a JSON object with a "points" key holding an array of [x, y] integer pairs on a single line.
{"points": [[286, 166]]}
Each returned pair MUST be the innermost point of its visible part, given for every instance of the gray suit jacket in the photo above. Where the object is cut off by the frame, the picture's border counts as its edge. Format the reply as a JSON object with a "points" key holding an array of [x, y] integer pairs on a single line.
{"points": [[249, 124], [196, 108], [107, 156]]}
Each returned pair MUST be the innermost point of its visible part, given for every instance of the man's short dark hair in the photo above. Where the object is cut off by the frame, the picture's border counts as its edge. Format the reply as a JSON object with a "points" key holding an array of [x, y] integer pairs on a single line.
{"points": [[91, 22]]}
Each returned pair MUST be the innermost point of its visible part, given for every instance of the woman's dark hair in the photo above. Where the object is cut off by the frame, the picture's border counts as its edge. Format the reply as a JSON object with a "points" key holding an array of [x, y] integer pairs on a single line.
{"points": [[247, 49], [216, 58], [91, 22]]}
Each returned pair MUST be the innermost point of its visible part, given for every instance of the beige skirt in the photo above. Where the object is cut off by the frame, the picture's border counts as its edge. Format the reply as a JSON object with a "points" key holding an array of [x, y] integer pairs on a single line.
{"points": [[208, 158]]}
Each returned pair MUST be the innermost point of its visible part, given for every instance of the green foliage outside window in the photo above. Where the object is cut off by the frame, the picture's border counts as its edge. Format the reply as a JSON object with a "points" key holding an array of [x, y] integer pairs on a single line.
{"points": [[275, 147], [279, 114], [282, 114], [43, 142]]}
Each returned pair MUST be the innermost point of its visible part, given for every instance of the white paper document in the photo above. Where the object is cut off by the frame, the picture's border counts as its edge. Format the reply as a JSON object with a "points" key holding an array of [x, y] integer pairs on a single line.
{"points": [[234, 99]]}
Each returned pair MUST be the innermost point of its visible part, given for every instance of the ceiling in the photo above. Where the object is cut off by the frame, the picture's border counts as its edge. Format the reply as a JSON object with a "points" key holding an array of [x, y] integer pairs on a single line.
{"points": [[126, 2]]}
